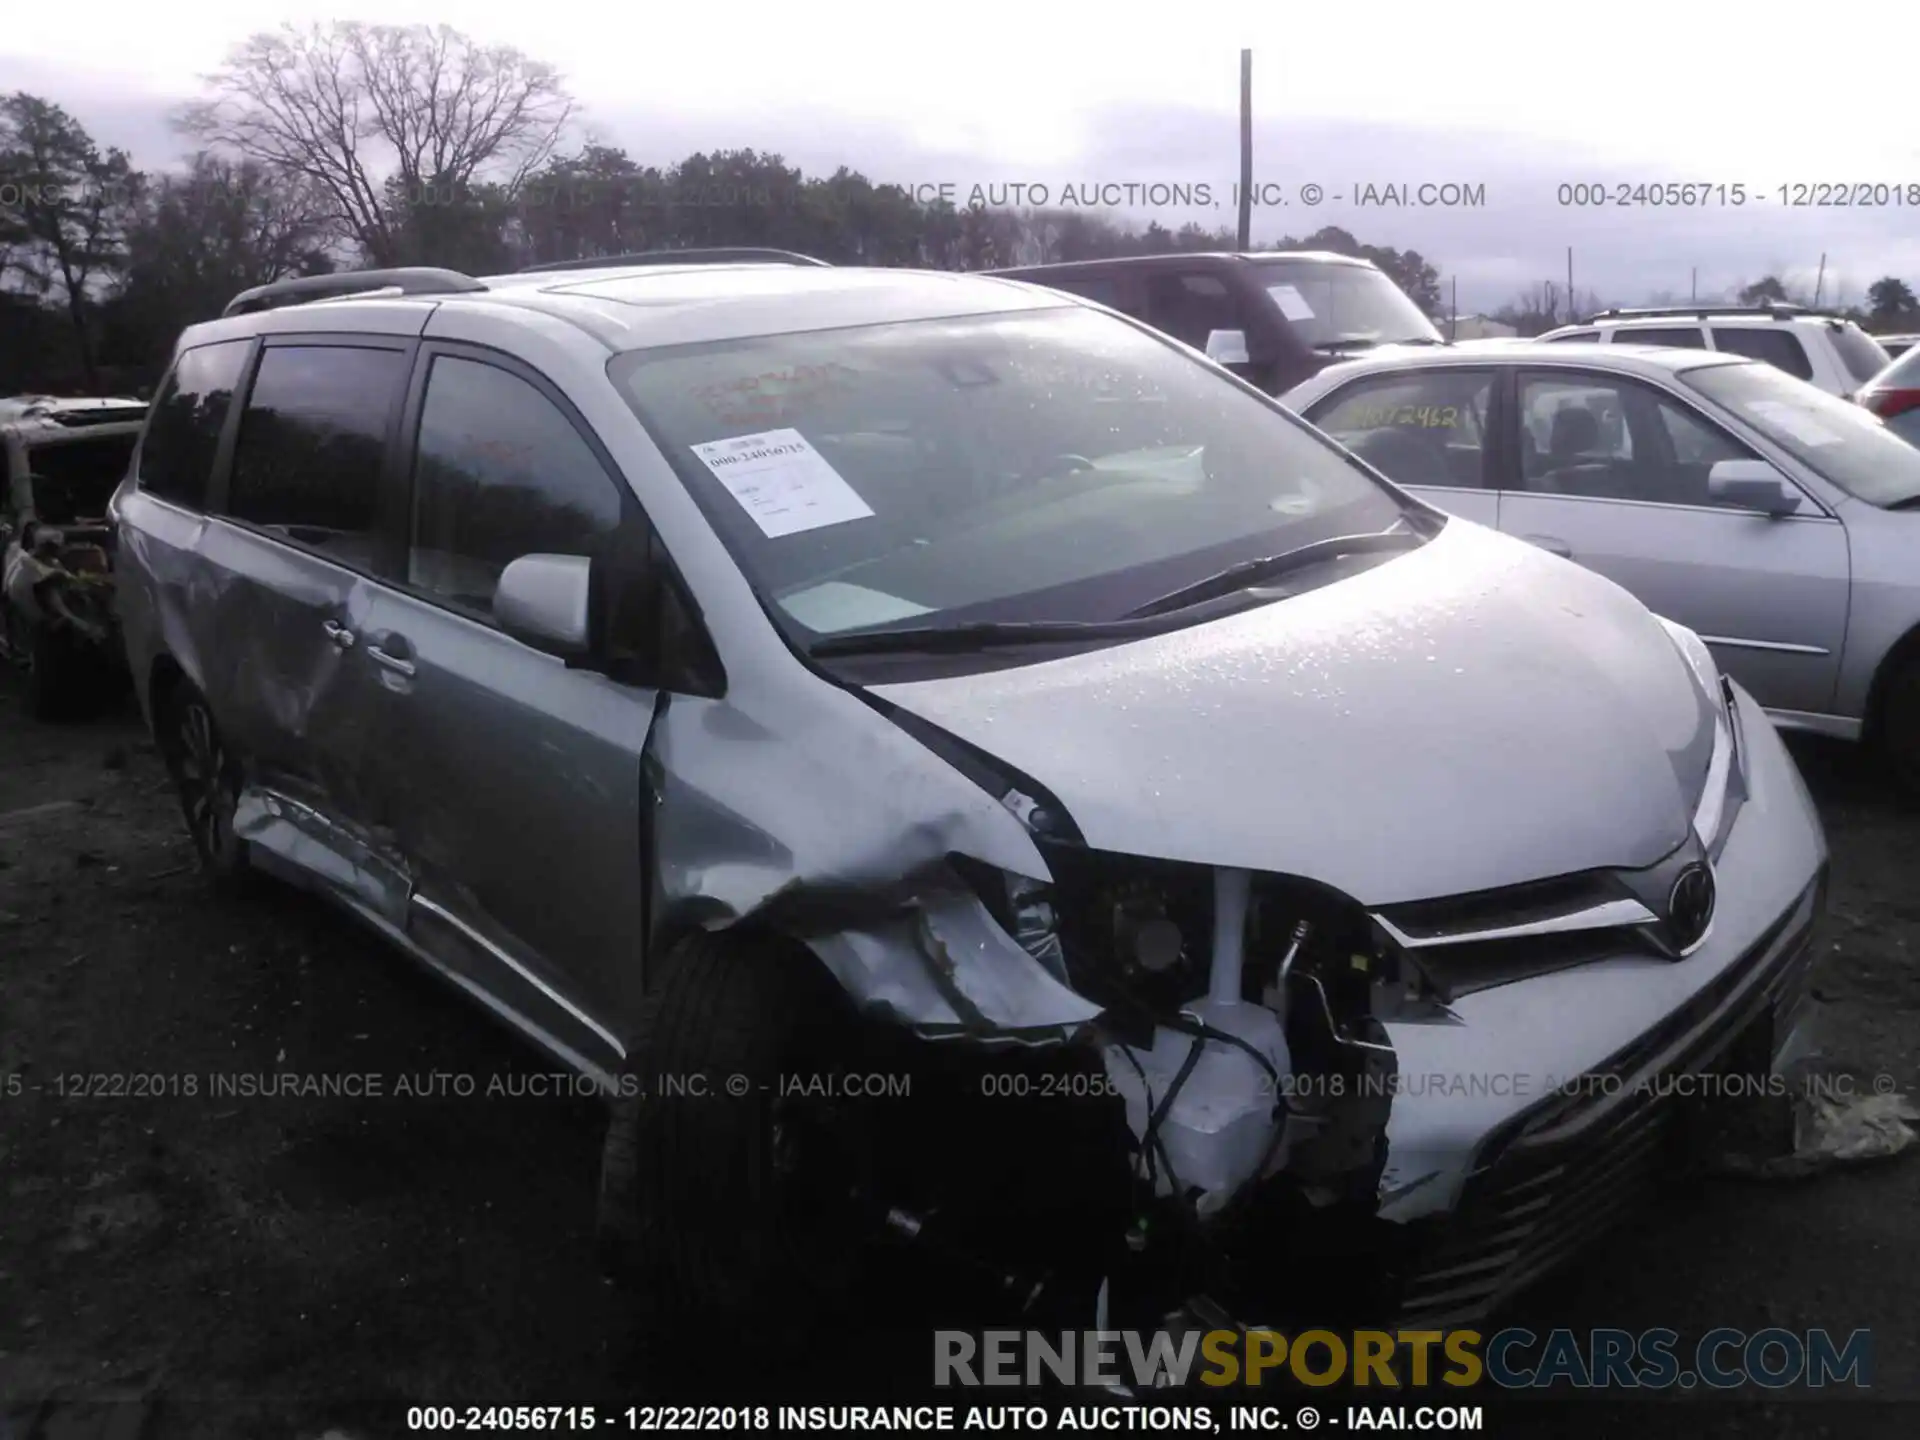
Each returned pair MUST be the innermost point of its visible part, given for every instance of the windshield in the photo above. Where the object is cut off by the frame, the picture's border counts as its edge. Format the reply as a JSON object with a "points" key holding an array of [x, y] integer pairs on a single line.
{"points": [[1860, 352], [1055, 465], [1846, 443], [1330, 304]]}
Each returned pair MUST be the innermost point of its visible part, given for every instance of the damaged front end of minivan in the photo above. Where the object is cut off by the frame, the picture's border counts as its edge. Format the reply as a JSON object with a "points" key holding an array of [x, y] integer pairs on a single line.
{"points": [[1162, 1083]]}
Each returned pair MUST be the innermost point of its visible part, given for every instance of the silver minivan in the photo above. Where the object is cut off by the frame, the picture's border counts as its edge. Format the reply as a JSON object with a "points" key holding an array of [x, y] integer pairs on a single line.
{"points": [[965, 775]]}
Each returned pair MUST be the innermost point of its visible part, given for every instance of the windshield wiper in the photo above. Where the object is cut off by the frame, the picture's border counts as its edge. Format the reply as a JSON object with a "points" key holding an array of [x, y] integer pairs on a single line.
{"points": [[1249, 574], [1347, 342], [979, 635]]}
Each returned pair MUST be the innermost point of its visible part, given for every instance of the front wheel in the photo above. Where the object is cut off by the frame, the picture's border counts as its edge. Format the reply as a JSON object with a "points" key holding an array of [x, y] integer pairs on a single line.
{"points": [[731, 1183], [207, 778], [1899, 725]]}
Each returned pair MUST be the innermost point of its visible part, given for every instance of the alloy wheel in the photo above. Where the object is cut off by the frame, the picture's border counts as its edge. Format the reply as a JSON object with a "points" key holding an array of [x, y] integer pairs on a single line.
{"points": [[204, 774]]}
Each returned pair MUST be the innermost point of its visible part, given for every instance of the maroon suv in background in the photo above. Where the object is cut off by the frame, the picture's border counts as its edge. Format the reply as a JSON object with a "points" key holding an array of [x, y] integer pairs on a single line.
{"points": [[1299, 310]]}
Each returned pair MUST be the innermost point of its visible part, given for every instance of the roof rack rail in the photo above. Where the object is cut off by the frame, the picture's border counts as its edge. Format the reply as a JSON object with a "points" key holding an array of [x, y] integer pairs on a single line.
{"points": [[723, 255], [1779, 310], [407, 280]]}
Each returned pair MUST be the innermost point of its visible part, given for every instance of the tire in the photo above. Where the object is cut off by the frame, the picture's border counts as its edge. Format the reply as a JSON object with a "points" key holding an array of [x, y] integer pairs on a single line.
{"points": [[701, 1213], [1899, 726], [207, 778]]}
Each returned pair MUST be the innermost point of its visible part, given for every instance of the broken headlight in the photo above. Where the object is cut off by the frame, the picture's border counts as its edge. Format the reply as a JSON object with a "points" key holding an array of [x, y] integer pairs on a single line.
{"points": [[1722, 790]]}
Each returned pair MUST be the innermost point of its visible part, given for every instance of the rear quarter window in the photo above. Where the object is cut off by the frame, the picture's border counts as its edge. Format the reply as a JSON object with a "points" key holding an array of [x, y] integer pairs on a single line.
{"points": [[1780, 348], [1859, 351]]}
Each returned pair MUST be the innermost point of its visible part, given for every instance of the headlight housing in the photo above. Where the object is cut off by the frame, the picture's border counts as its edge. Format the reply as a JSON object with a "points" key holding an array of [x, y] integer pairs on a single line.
{"points": [[1723, 789]]}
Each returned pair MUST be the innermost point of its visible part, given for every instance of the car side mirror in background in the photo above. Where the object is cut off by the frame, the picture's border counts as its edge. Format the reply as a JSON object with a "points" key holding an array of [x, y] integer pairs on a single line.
{"points": [[1227, 347], [545, 600], [1752, 485]]}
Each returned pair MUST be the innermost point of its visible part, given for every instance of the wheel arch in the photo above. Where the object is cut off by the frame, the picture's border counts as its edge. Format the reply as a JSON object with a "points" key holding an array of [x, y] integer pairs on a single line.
{"points": [[1903, 652]]}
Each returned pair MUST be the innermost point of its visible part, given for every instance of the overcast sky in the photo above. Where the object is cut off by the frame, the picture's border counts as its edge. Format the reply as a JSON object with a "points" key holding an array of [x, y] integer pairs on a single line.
{"points": [[1515, 98]]}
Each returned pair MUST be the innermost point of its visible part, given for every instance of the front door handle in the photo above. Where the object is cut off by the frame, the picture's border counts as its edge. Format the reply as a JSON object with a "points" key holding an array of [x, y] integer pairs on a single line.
{"points": [[339, 634], [393, 653], [1551, 544]]}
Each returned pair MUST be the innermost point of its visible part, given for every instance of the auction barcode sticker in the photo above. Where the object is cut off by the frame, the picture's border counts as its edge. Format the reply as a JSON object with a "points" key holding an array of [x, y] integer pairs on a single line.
{"points": [[785, 484]]}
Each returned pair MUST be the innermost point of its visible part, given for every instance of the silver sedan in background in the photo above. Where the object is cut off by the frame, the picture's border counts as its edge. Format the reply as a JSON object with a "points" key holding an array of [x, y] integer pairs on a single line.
{"points": [[1779, 522]]}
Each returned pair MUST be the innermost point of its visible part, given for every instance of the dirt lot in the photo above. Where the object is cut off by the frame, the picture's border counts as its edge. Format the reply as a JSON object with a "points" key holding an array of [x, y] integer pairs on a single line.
{"points": [[278, 1266]]}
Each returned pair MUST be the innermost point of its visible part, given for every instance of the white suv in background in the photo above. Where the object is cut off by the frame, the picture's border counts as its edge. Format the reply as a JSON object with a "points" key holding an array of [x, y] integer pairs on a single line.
{"points": [[1819, 346]]}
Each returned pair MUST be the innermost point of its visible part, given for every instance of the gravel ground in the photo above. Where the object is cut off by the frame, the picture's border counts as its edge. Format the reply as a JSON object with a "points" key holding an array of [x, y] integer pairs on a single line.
{"points": [[279, 1266]]}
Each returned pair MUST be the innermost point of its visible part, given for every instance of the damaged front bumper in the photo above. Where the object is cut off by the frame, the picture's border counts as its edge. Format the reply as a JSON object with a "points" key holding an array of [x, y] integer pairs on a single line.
{"points": [[1484, 1137]]}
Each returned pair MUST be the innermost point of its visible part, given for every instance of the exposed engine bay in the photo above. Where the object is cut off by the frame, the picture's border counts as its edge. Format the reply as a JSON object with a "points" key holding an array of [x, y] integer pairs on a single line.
{"points": [[56, 580], [61, 577], [1216, 1123]]}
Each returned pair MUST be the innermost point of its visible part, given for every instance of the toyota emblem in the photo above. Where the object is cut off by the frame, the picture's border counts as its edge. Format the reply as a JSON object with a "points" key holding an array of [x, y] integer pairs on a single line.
{"points": [[1690, 906]]}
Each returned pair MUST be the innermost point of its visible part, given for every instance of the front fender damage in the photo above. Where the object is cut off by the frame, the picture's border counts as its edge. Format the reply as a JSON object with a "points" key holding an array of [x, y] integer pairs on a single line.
{"points": [[875, 852], [854, 861]]}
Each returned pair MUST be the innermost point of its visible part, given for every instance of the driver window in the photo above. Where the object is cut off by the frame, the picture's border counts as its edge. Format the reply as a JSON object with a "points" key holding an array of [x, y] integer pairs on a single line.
{"points": [[1424, 429], [499, 472], [1613, 439]]}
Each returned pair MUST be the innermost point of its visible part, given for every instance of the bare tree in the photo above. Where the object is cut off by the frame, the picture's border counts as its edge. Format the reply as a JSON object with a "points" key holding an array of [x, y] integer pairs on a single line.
{"points": [[221, 227], [363, 112], [66, 209]]}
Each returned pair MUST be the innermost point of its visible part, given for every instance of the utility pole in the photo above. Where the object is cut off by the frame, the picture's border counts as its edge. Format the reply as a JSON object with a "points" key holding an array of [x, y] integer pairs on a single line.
{"points": [[1820, 280], [1693, 287], [1453, 325], [1245, 231], [1573, 315]]}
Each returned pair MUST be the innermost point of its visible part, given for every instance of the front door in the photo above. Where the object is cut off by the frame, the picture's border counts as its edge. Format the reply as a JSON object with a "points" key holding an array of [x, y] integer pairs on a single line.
{"points": [[511, 781], [1612, 473]]}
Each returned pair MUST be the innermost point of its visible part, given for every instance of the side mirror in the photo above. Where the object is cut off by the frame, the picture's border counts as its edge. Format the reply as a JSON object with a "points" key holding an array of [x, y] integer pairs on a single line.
{"points": [[1227, 347], [1752, 485], [545, 600]]}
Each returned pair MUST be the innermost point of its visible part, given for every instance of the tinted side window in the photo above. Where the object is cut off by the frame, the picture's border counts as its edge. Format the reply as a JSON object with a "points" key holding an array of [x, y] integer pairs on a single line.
{"points": [[1576, 335], [1779, 348], [312, 442], [499, 473], [1189, 306], [1423, 429], [176, 455], [1681, 337]]}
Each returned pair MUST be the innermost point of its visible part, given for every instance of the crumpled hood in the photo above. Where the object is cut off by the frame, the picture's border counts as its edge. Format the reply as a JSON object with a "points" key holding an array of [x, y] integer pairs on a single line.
{"points": [[1472, 714]]}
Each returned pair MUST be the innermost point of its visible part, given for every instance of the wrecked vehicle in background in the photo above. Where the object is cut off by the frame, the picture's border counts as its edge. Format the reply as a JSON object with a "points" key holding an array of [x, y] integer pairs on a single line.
{"points": [[63, 459], [966, 776]]}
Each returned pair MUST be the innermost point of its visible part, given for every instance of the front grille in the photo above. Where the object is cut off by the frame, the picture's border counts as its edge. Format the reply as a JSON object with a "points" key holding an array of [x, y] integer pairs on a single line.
{"points": [[1464, 943], [1579, 1162]]}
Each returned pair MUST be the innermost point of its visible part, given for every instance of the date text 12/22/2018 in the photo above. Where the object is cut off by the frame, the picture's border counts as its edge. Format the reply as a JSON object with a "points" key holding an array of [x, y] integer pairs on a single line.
{"points": [[1716, 194]]}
